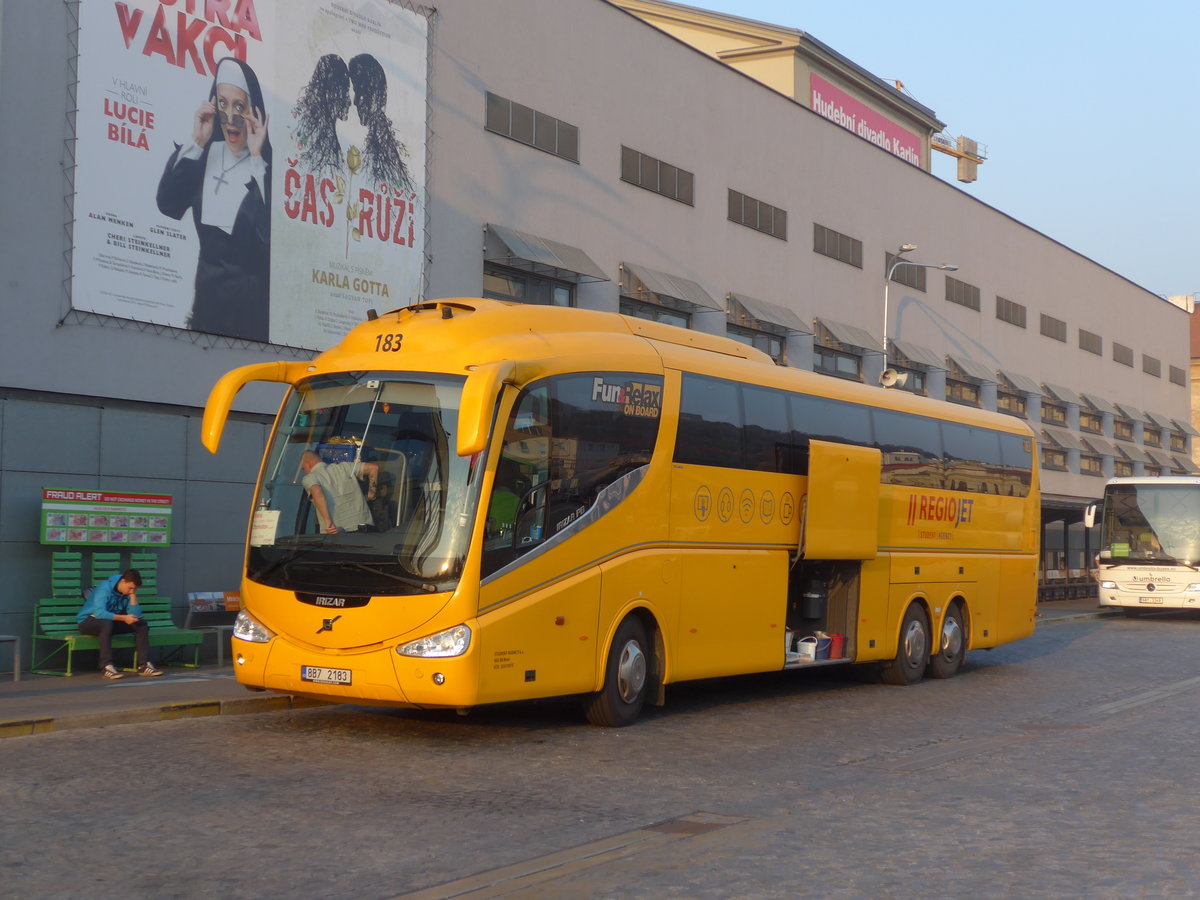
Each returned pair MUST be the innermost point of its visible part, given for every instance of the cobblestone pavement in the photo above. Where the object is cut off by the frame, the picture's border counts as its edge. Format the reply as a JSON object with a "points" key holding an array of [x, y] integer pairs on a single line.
{"points": [[1058, 766]]}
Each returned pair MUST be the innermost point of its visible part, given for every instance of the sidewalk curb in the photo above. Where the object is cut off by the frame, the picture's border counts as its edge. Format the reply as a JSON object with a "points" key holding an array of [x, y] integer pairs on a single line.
{"points": [[190, 710], [1101, 613]]}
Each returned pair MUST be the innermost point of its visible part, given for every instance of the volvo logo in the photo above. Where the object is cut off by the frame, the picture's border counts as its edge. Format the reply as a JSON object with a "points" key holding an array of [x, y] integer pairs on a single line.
{"points": [[1150, 585], [327, 624]]}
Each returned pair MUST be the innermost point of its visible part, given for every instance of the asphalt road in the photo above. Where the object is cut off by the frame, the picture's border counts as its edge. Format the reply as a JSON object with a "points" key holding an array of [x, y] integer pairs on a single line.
{"points": [[1061, 766]]}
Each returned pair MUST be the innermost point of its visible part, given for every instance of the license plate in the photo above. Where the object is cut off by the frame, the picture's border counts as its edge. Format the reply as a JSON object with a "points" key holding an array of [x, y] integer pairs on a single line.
{"points": [[322, 675], [1157, 600]]}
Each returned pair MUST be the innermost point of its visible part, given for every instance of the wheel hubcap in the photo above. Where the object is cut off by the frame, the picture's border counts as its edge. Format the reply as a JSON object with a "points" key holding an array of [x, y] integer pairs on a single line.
{"points": [[915, 644], [952, 638], [631, 672]]}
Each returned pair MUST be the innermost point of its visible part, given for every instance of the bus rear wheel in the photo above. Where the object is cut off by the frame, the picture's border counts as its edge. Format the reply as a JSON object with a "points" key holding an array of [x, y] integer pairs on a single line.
{"points": [[626, 678], [952, 647], [912, 651]]}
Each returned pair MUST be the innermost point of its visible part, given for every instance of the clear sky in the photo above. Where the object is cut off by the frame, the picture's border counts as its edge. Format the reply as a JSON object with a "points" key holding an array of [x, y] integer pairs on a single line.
{"points": [[1089, 110]]}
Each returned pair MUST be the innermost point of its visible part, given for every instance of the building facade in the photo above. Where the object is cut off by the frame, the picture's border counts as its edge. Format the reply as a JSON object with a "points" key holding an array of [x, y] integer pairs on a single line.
{"points": [[552, 171]]}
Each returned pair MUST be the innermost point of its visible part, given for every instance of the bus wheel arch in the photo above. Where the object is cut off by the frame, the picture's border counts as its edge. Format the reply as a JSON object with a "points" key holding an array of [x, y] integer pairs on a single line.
{"points": [[950, 647], [632, 673], [913, 647]]}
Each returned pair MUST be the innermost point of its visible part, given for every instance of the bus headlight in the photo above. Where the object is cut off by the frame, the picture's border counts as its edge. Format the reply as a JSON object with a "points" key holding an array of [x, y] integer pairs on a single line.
{"points": [[451, 642], [1192, 587], [246, 628], [1108, 585]]}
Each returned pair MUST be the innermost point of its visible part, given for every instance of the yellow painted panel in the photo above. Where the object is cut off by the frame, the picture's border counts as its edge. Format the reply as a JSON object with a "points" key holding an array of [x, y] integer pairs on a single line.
{"points": [[842, 518]]}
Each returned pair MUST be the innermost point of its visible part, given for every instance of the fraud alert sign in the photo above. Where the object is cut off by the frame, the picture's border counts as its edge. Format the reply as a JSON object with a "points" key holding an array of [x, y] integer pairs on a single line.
{"points": [[105, 518]]}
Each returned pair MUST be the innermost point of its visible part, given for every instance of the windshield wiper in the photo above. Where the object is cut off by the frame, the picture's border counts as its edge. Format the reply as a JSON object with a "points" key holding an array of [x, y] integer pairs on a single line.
{"points": [[426, 586]]}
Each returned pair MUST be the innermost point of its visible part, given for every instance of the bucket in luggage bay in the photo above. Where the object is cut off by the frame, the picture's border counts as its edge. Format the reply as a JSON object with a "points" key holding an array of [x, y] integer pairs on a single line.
{"points": [[837, 645]]}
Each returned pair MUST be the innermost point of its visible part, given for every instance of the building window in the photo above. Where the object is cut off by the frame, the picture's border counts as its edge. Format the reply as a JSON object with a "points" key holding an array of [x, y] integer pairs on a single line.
{"points": [[1123, 429], [909, 276], [512, 120], [838, 363], [1092, 343], [1090, 421], [1122, 468], [1053, 458], [639, 309], [656, 175], [757, 215], [500, 283], [1152, 437], [1091, 465], [962, 293], [1011, 312], [962, 392], [1151, 366], [768, 343], [1054, 328], [1008, 402], [837, 246], [1123, 354], [1153, 471], [1178, 376], [1053, 414], [1178, 442]]}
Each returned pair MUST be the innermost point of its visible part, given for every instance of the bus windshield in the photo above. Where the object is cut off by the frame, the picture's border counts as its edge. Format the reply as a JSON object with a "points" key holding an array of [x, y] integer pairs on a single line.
{"points": [[362, 492], [1151, 522]]}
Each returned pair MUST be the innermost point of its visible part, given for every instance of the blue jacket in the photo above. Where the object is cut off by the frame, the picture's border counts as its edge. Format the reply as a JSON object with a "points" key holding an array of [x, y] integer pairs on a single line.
{"points": [[106, 601]]}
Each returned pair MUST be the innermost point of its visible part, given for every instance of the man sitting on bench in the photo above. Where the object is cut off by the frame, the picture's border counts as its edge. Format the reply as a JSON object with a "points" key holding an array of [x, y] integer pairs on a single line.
{"points": [[112, 608]]}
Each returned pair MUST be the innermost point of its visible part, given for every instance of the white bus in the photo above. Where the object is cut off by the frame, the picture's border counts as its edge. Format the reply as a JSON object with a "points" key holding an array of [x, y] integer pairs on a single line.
{"points": [[1149, 543]]}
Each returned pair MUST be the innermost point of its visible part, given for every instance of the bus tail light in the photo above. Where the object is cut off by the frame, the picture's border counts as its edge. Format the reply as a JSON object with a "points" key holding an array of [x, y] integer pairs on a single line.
{"points": [[451, 642], [247, 628]]}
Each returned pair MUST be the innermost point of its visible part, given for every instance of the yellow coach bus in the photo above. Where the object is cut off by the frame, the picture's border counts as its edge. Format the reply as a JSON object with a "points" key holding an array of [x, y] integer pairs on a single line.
{"points": [[565, 502]]}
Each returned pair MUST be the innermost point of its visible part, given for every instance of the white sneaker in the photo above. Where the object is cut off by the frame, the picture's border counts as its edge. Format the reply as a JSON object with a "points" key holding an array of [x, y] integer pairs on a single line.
{"points": [[110, 672], [147, 669]]}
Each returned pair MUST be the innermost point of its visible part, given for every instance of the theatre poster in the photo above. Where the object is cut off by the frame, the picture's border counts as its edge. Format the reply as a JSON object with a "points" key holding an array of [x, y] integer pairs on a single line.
{"points": [[288, 245]]}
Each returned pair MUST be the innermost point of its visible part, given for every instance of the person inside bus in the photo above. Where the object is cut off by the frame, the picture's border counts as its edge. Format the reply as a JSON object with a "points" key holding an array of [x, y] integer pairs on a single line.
{"points": [[112, 608], [336, 494]]}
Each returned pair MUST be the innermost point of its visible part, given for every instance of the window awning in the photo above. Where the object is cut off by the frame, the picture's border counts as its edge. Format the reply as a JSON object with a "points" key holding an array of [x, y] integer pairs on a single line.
{"points": [[771, 313], [849, 335], [1067, 440], [1185, 463], [1131, 412], [971, 367], [918, 354], [1062, 394], [1160, 421], [1185, 427], [1099, 445], [1131, 452], [1021, 382], [539, 256], [644, 283], [1099, 404], [1159, 458]]}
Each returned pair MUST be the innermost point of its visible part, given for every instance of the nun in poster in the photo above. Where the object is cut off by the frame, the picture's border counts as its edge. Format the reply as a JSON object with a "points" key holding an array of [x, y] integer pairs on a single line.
{"points": [[224, 176]]}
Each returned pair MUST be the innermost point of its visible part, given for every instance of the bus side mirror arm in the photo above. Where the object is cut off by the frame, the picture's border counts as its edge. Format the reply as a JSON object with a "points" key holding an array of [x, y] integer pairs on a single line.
{"points": [[220, 398], [478, 405]]}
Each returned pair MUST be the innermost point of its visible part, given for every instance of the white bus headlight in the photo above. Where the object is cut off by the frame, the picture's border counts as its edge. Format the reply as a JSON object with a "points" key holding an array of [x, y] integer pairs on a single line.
{"points": [[451, 642], [1192, 587], [247, 628], [1108, 585]]}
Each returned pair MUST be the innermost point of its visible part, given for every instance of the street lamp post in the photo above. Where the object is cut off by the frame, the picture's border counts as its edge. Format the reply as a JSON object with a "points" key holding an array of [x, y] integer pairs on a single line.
{"points": [[887, 281]]}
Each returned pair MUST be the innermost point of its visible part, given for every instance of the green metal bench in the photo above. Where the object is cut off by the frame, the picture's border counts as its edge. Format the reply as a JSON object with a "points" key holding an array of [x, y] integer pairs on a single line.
{"points": [[54, 623]]}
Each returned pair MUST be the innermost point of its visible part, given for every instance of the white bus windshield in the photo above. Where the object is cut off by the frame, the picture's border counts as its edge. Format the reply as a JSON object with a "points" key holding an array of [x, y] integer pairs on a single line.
{"points": [[1151, 522], [363, 493]]}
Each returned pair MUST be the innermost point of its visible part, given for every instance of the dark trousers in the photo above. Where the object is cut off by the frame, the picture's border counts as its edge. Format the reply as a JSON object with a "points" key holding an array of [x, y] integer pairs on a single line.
{"points": [[106, 628]]}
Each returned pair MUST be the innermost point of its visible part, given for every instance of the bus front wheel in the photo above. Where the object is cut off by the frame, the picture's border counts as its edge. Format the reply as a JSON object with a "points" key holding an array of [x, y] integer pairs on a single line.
{"points": [[952, 647], [626, 678], [912, 651]]}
